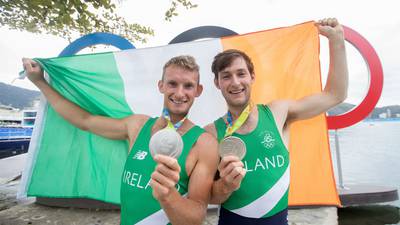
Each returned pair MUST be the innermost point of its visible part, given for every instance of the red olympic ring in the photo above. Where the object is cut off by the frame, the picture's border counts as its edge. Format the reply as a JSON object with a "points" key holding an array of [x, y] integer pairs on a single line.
{"points": [[375, 84]]}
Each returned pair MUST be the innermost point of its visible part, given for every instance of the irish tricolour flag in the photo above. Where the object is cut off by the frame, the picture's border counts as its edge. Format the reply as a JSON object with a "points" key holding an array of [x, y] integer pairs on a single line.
{"points": [[70, 163]]}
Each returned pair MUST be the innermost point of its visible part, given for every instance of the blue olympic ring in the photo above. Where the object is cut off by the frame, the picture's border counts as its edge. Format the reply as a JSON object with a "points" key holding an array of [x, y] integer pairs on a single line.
{"points": [[95, 39]]}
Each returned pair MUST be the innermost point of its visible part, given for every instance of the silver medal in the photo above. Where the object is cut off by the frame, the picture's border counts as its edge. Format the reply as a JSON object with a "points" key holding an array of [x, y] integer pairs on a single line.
{"points": [[166, 142], [232, 146]]}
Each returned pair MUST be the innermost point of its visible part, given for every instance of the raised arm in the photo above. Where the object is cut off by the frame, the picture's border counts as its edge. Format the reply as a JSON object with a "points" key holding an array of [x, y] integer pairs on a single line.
{"points": [[104, 126], [191, 209], [335, 90]]}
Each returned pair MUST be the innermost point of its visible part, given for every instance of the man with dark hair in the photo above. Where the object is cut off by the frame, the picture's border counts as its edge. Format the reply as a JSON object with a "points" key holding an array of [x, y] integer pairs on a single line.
{"points": [[225, 58], [152, 190], [239, 191]]}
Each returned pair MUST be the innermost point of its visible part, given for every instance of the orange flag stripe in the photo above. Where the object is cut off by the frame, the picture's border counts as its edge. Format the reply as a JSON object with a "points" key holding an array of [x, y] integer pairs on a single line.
{"points": [[287, 66]]}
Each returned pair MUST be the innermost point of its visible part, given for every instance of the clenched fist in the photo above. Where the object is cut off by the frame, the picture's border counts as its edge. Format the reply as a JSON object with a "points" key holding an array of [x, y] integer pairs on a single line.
{"points": [[330, 28], [33, 70], [165, 177], [232, 171]]}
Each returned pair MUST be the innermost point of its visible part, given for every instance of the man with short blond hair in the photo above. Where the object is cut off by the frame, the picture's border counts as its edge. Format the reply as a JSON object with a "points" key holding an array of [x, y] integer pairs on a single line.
{"points": [[152, 190]]}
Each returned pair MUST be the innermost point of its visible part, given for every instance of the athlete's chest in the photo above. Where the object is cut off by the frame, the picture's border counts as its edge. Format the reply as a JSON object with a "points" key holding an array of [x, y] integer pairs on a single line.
{"points": [[250, 125]]}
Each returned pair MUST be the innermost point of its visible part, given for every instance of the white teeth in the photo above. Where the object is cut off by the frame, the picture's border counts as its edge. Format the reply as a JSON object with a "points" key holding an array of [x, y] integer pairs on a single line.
{"points": [[177, 102], [236, 91]]}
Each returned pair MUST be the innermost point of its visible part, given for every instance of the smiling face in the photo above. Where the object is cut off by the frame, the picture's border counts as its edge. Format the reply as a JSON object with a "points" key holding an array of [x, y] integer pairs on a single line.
{"points": [[235, 82], [180, 87]]}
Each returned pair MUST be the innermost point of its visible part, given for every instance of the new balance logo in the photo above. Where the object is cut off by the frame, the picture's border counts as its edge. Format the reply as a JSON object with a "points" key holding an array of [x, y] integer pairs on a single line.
{"points": [[140, 155]]}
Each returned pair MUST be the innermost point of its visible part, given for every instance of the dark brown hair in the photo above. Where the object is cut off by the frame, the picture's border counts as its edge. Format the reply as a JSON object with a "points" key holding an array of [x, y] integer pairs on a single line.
{"points": [[225, 58]]}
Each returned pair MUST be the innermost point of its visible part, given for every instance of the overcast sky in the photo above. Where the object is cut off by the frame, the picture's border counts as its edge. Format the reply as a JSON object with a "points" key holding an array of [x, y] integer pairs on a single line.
{"points": [[377, 21]]}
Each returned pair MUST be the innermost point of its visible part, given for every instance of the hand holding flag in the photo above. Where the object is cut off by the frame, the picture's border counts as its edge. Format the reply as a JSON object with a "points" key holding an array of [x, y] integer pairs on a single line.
{"points": [[330, 28], [33, 70]]}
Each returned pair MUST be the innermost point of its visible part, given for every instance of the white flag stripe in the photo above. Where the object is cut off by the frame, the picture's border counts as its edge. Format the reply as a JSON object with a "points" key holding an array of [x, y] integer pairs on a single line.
{"points": [[143, 75], [266, 202], [33, 149]]}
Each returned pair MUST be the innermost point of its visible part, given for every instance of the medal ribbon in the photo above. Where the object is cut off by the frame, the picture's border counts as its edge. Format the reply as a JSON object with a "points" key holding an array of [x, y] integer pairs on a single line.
{"points": [[170, 125], [232, 127]]}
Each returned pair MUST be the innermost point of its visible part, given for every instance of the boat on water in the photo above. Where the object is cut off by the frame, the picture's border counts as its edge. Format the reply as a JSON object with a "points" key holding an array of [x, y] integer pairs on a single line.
{"points": [[15, 130]]}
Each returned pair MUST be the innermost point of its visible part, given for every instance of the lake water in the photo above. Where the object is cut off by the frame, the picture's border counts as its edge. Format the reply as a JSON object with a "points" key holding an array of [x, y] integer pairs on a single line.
{"points": [[370, 154]]}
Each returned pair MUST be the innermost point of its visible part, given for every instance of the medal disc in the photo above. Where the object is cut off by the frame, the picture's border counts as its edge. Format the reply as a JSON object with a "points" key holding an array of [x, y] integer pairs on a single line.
{"points": [[166, 142], [232, 146]]}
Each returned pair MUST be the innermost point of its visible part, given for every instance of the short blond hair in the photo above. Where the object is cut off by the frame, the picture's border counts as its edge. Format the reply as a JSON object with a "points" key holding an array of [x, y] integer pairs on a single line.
{"points": [[186, 62]]}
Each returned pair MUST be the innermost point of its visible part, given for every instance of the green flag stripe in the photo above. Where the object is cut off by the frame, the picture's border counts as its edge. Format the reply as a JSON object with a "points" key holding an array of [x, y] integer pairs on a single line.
{"points": [[92, 82]]}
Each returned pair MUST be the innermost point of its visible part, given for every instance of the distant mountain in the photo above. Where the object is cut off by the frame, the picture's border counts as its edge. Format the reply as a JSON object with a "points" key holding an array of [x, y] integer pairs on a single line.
{"points": [[21, 98], [17, 97], [340, 109], [394, 109], [345, 107]]}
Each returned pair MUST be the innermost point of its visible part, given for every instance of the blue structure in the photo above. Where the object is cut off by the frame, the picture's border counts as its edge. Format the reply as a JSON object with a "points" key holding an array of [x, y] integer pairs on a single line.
{"points": [[96, 39], [14, 141]]}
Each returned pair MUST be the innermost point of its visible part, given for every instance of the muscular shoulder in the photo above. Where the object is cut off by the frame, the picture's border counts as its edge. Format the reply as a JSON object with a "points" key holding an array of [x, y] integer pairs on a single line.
{"points": [[279, 105], [134, 124], [136, 120], [206, 146], [207, 138], [210, 128], [279, 109], [204, 153]]}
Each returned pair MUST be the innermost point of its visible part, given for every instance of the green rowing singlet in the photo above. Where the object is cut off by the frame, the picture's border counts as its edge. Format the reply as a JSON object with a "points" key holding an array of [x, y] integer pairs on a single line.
{"points": [[264, 190], [138, 206]]}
